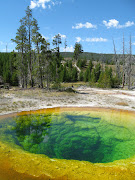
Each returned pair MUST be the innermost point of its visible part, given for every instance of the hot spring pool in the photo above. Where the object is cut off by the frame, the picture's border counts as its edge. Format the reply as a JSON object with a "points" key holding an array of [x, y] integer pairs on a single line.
{"points": [[62, 141]]}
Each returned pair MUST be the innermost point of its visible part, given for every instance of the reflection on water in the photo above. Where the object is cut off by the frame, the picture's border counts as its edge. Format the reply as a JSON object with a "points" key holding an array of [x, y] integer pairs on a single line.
{"points": [[70, 135], [31, 130]]}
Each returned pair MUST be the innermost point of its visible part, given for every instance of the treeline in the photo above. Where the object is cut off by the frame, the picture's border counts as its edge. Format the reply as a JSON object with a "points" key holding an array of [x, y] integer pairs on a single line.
{"points": [[105, 58], [35, 64], [54, 73], [95, 75], [8, 68]]}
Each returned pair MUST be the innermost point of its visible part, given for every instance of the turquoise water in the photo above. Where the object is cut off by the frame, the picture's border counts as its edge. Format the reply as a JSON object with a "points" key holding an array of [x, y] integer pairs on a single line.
{"points": [[69, 136]]}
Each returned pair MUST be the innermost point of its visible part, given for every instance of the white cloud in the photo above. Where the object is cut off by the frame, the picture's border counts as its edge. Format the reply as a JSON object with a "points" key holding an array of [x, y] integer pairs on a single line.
{"points": [[133, 44], [115, 24], [33, 4], [111, 23], [68, 49], [42, 3], [56, 3], [128, 24], [96, 39], [86, 25], [78, 39]]}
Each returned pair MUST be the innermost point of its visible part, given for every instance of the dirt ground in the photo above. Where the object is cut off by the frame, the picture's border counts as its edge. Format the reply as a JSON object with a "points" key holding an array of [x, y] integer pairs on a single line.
{"points": [[16, 100]]}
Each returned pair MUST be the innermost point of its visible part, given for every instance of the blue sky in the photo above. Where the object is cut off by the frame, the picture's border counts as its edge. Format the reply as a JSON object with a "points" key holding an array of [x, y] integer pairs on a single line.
{"points": [[93, 23]]}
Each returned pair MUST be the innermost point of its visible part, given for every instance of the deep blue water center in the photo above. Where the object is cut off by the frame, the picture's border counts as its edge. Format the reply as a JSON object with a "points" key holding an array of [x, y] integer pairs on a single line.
{"points": [[69, 136]]}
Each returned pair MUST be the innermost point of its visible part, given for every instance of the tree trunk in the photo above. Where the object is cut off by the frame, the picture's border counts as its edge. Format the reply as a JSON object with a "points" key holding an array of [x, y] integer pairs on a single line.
{"points": [[129, 67], [123, 76], [117, 62]]}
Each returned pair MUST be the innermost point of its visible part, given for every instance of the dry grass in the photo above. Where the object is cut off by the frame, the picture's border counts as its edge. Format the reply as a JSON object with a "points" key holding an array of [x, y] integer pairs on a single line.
{"points": [[75, 84], [122, 104], [37, 93], [19, 99]]}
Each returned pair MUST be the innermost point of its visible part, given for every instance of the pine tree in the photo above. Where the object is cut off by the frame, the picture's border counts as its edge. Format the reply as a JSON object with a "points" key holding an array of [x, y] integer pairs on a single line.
{"points": [[105, 79], [77, 50], [64, 77], [90, 65], [81, 76], [93, 76], [65, 44], [70, 64], [6, 69], [30, 24], [56, 42], [21, 41], [36, 36], [25, 36], [45, 63], [87, 75], [74, 75], [97, 71], [13, 68]]}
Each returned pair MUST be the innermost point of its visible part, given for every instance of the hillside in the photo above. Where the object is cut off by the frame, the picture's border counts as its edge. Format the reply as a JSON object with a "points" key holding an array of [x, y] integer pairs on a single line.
{"points": [[90, 56]]}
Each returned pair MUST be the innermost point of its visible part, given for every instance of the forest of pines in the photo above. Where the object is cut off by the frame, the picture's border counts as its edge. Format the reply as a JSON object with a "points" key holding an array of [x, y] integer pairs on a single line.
{"points": [[35, 64]]}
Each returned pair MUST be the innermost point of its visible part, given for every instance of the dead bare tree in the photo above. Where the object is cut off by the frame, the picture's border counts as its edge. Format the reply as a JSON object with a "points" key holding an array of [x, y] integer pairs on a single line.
{"points": [[117, 62], [129, 63], [129, 69], [123, 61]]}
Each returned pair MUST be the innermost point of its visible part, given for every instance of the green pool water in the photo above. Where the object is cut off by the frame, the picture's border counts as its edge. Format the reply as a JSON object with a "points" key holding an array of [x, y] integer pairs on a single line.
{"points": [[70, 135]]}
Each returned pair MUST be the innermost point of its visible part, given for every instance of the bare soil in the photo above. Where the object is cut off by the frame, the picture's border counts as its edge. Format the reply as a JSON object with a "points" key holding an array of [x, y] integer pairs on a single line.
{"points": [[17, 100]]}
